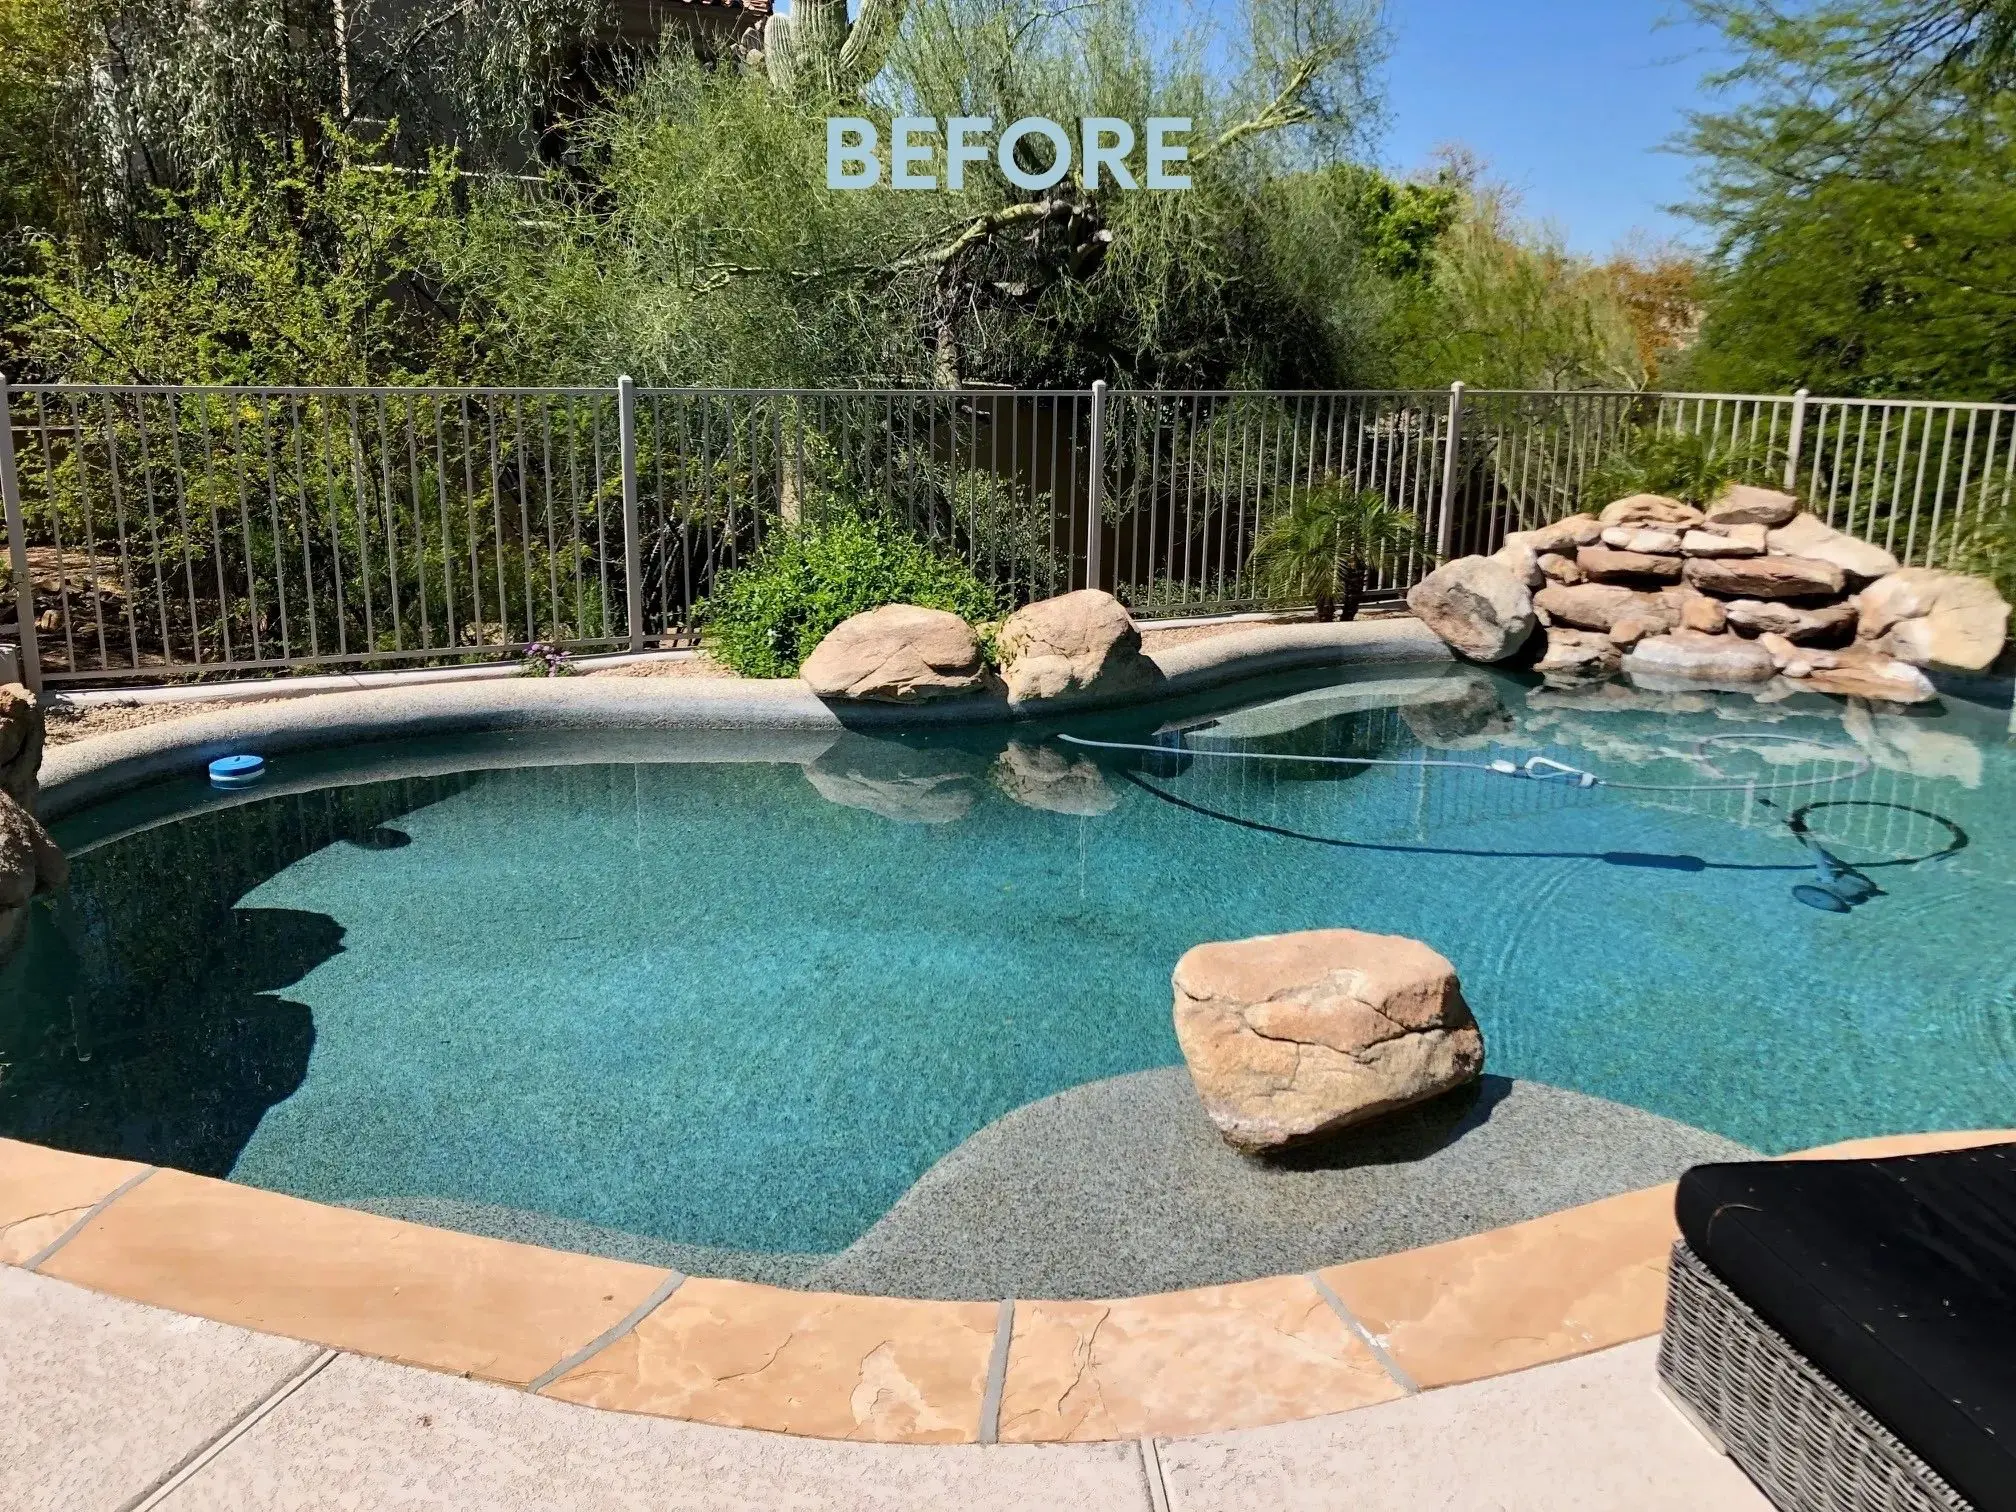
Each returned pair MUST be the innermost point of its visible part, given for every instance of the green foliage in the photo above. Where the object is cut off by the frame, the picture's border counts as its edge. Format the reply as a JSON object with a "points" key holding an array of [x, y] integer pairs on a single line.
{"points": [[710, 249], [684, 232], [1399, 224], [765, 617], [1328, 542], [1681, 465], [1859, 189], [40, 64], [285, 273], [1990, 550], [1506, 305], [185, 91]]}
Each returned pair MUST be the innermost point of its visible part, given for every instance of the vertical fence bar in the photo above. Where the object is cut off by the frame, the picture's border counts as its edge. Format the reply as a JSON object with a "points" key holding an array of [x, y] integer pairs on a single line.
{"points": [[1795, 441], [17, 546], [633, 572], [1446, 524], [1095, 494]]}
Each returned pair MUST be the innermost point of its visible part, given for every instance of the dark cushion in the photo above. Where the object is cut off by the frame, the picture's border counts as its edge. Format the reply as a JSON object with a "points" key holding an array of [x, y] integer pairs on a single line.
{"points": [[1897, 1278]]}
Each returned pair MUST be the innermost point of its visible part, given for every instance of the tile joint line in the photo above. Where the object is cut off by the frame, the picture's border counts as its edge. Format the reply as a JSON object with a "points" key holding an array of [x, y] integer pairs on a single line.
{"points": [[1151, 1470], [997, 1373], [183, 1473], [1391, 1366], [35, 1260], [664, 1289]]}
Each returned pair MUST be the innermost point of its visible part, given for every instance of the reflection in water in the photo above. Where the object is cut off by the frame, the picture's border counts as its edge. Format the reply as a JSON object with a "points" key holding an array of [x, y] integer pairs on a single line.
{"points": [[144, 1019], [907, 783], [1055, 781]]}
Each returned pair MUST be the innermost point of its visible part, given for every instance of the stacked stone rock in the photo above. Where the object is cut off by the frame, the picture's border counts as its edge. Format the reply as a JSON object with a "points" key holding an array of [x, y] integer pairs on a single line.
{"points": [[1746, 590], [30, 863]]}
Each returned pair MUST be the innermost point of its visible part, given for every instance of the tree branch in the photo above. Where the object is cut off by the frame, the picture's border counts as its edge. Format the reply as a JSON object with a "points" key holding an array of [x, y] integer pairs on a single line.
{"points": [[1287, 108]]}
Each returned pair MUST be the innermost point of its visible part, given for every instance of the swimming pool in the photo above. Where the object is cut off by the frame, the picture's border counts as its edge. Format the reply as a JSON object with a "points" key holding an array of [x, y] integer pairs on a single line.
{"points": [[747, 1003]]}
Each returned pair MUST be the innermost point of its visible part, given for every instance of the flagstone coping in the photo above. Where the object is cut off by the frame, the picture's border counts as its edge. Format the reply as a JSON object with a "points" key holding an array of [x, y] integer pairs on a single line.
{"points": [[641, 1339]]}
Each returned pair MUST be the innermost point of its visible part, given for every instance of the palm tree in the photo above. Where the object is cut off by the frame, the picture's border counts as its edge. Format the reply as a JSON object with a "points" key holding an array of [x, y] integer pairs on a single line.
{"points": [[1328, 542]]}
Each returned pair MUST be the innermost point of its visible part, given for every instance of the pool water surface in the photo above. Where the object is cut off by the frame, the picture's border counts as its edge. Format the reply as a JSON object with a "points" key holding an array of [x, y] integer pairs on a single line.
{"points": [[748, 1003]]}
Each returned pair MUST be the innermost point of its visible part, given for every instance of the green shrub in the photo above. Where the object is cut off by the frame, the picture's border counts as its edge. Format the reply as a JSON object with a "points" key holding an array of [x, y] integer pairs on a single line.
{"points": [[765, 617], [1680, 465], [1989, 549]]}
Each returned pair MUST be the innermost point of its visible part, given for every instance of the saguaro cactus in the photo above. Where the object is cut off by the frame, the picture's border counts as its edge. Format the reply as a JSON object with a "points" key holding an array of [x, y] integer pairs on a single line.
{"points": [[816, 50]]}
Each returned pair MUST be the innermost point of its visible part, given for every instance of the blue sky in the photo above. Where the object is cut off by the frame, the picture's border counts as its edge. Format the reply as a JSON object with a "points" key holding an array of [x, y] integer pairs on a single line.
{"points": [[1566, 100]]}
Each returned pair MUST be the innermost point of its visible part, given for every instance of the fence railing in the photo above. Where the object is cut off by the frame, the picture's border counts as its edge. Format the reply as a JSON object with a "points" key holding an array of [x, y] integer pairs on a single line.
{"points": [[176, 531]]}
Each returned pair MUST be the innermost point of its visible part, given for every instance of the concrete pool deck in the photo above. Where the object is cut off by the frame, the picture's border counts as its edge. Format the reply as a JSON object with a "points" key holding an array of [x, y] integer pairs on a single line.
{"points": [[112, 1405]]}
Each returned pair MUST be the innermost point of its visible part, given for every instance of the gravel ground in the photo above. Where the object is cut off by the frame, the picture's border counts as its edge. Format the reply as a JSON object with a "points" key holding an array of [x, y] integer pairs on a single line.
{"points": [[701, 665], [68, 722]]}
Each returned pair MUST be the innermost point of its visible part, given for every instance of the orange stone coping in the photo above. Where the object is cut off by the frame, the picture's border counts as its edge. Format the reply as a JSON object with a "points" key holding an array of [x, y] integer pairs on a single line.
{"points": [[637, 1338]]}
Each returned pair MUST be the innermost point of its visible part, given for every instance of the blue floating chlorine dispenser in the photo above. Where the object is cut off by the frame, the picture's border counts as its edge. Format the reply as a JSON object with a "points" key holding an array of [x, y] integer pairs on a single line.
{"points": [[237, 771]]}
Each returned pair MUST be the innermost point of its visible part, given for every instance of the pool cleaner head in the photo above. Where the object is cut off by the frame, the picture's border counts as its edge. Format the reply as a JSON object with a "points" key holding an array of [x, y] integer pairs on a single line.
{"points": [[1838, 887], [237, 771]]}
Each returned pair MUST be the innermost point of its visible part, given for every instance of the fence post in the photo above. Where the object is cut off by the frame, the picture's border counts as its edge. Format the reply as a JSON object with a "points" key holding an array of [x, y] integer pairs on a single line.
{"points": [[1795, 442], [1096, 493], [633, 550], [1445, 528], [17, 545]]}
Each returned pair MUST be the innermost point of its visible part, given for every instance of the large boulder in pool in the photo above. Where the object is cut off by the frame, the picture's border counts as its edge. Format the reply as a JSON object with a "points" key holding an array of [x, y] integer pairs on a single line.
{"points": [[1481, 606], [1290, 1038], [21, 734], [899, 653], [1075, 647], [1931, 618], [30, 863]]}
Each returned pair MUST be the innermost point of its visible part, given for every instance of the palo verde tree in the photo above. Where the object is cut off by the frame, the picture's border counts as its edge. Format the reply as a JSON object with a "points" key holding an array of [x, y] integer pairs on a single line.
{"points": [[175, 93], [1860, 194], [712, 249]]}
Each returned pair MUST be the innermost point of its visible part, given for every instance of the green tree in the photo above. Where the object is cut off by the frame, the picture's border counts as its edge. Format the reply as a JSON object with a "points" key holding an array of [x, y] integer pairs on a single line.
{"points": [[1328, 542], [1506, 305], [708, 247], [182, 90], [40, 64], [1859, 191], [351, 274]]}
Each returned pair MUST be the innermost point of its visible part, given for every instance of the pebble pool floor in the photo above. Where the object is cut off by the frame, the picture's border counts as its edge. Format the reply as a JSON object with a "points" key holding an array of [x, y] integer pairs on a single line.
{"points": [[747, 1005]]}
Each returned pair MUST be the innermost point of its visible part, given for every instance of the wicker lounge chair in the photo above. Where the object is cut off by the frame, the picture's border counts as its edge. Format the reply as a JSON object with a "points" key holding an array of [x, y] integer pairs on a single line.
{"points": [[1846, 1330]]}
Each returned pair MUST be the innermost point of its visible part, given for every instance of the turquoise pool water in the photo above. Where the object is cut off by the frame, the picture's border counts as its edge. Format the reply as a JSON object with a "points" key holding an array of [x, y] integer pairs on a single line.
{"points": [[747, 1003]]}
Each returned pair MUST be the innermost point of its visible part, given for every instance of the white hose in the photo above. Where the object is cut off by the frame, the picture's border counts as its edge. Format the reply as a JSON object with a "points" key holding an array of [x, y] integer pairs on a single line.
{"points": [[1538, 768]]}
